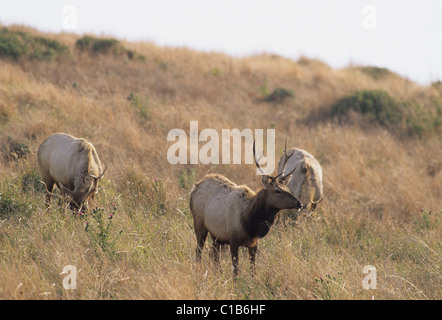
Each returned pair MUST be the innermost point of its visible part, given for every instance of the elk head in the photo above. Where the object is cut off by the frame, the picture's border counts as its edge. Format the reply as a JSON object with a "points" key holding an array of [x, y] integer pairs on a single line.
{"points": [[78, 197], [277, 193]]}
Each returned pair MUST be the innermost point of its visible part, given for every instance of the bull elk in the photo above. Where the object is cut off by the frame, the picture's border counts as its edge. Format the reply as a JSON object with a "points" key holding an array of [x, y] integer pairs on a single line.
{"points": [[236, 215], [306, 183], [73, 165]]}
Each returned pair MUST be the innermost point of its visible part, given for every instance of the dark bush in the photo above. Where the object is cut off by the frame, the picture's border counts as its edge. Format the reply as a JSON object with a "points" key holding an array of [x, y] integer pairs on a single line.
{"points": [[17, 45], [376, 104], [406, 117], [30, 181], [14, 150], [96, 46], [13, 202], [279, 95]]}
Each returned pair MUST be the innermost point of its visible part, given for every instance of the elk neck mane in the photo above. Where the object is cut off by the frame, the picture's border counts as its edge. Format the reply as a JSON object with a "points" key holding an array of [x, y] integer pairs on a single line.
{"points": [[260, 217], [88, 153], [242, 191]]}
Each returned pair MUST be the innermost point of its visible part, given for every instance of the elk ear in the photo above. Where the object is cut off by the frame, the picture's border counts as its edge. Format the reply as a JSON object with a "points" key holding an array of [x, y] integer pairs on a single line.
{"points": [[285, 181], [265, 181], [305, 167]]}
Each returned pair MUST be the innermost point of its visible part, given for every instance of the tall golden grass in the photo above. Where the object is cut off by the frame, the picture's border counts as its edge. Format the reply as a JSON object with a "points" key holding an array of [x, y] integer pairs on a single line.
{"points": [[382, 204]]}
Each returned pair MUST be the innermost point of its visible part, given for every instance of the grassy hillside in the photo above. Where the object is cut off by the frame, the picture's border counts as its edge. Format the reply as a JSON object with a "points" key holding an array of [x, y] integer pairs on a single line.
{"points": [[378, 137]]}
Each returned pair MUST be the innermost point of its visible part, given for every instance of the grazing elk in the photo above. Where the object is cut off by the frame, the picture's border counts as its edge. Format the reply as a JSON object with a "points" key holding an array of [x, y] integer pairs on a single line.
{"points": [[306, 183], [73, 165], [235, 215]]}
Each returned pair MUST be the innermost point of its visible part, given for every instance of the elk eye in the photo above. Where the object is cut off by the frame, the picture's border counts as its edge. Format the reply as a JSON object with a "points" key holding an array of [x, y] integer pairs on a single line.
{"points": [[277, 191]]}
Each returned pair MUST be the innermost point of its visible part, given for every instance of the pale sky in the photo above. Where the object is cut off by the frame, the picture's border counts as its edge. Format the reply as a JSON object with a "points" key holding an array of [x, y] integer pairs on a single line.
{"points": [[404, 36]]}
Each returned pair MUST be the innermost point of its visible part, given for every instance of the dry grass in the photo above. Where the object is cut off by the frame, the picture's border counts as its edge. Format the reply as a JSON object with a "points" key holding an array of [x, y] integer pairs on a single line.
{"points": [[375, 183]]}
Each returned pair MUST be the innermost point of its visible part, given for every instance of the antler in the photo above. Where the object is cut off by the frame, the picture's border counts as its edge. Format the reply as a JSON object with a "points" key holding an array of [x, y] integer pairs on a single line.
{"points": [[286, 158], [57, 196], [97, 179], [100, 176], [282, 176], [257, 161], [90, 191]]}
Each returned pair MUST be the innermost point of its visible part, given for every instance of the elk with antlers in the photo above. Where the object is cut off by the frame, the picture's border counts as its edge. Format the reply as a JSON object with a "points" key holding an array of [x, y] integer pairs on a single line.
{"points": [[306, 182], [235, 215], [73, 165]]}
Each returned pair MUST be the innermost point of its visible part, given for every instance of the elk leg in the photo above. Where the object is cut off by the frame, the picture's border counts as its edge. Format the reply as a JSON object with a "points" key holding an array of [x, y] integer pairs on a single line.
{"points": [[252, 256], [60, 203], [201, 235], [313, 207], [49, 186], [216, 248], [234, 252]]}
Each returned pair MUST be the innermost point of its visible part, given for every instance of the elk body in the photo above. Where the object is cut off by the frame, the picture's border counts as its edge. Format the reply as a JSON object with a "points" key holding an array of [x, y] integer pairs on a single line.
{"points": [[235, 215], [306, 182], [73, 165]]}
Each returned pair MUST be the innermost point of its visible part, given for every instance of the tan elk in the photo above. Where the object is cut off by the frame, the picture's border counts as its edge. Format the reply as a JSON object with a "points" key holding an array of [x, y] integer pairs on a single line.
{"points": [[306, 183], [235, 215], [72, 164]]}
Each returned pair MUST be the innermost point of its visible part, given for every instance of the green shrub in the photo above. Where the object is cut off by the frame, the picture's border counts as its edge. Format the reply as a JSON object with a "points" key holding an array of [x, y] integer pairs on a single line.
{"points": [[17, 45], [8, 205], [279, 95], [12, 44], [97, 46], [99, 225], [377, 104], [14, 150], [30, 181], [406, 117], [13, 202]]}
